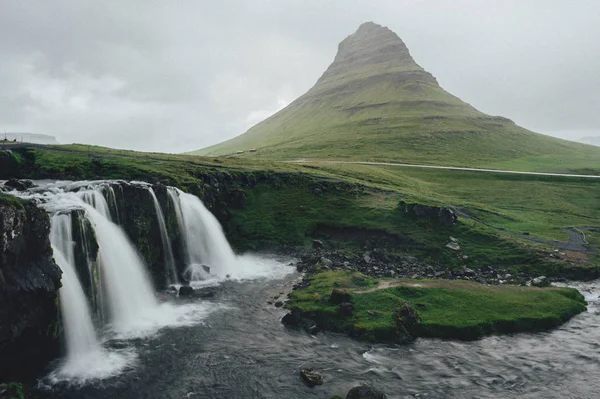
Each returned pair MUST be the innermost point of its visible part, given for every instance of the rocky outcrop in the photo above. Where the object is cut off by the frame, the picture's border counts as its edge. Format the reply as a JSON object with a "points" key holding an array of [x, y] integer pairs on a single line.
{"points": [[442, 215], [29, 283]]}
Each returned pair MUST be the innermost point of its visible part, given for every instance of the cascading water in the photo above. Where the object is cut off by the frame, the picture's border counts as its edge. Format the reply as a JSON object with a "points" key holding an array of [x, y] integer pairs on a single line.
{"points": [[203, 239], [128, 288], [118, 279], [113, 199], [77, 320], [86, 359], [169, 259]]}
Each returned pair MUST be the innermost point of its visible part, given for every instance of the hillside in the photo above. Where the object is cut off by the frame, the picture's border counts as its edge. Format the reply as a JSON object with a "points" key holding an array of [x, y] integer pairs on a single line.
{"points": [[375, 103]]}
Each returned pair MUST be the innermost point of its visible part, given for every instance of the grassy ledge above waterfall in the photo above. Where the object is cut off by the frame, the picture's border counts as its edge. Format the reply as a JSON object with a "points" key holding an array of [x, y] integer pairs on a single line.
{"points": [[401, 310], [517, 222]]}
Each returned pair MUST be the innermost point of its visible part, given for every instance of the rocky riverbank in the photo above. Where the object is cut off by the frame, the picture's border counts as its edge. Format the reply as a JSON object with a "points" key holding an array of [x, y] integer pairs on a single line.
{"points": [[29, 283]]}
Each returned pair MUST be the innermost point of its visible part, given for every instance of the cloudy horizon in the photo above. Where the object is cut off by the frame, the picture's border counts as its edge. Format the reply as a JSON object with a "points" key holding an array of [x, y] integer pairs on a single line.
{"points": [[153, 77]]}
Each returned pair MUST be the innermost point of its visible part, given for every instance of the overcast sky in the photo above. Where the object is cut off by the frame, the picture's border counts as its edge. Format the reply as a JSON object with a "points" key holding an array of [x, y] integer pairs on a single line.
{"points": [[175, 76]]}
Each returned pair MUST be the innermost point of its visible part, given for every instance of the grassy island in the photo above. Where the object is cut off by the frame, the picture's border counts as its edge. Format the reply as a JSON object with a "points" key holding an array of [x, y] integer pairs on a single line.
{"points": [[386, 309]]}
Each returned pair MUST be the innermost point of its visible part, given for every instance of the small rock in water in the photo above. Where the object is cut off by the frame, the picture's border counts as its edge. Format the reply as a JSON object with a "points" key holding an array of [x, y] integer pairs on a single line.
{"points": [[206, 268], [185, 290], [278, 304], [310, 377], [173, 288], [365, 392]]}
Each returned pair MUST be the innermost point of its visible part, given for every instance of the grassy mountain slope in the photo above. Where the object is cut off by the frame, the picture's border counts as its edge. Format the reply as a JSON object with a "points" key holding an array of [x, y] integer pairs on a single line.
{"points": [[375, 103]]}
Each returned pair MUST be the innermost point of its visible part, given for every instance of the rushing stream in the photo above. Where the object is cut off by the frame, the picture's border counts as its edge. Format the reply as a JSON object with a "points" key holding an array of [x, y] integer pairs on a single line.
{"points": [[243, 351], [155, 345]]}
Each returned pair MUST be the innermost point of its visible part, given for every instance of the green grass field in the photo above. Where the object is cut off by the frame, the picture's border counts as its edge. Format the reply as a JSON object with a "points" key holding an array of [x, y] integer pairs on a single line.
{"points": [[292, 214], [446, 308]]}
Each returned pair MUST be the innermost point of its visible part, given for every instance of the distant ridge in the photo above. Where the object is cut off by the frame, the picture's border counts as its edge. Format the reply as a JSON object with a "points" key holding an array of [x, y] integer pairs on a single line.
{"points": [[34, 138], [593, 140], [375, 103]]}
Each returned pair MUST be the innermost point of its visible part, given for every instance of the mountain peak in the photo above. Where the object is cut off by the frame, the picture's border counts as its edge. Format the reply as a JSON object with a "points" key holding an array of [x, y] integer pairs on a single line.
{"points": [[372, 49]]}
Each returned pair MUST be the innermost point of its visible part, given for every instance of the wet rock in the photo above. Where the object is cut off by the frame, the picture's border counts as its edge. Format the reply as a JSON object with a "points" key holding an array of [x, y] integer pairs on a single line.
{"points": [[290, 319], [366, 392], [205, 293], [310, 377], [278, 304], [406, 319], [172, 288], [29, 283], [186, 290], [206, 268], [19, 185]]}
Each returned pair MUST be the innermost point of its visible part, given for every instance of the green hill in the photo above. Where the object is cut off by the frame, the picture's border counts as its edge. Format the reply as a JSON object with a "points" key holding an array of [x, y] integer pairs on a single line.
{"points": [[375, 103]]}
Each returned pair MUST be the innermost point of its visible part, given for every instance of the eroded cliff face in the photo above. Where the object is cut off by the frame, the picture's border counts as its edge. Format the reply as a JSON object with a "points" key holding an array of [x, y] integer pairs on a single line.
{"points": [[29, 283]]}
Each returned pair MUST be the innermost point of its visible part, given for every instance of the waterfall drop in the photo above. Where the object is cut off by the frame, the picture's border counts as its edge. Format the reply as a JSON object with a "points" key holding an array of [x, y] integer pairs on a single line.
{"points": [[203, 238], [169, 259]]}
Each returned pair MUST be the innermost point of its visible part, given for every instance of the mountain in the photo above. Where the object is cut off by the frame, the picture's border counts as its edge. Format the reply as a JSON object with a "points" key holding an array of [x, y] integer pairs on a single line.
{"points": [[34, 138], [593, 140], [375, 103]]}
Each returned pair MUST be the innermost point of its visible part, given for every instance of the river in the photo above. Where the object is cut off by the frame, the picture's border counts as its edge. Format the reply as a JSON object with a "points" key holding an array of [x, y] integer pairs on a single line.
{"points": [[241, 350]]}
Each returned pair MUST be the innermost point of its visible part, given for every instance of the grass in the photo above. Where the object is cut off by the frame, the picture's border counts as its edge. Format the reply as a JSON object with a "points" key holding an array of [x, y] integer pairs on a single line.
{"points": [[447, 309], [360, 199]]}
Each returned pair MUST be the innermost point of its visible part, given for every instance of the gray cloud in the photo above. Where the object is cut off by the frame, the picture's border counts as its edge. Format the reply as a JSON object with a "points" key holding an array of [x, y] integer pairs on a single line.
{"points": [[177, 76]]}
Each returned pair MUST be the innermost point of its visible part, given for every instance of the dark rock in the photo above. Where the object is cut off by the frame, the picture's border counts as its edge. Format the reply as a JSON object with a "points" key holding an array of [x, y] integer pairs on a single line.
{"points": [[290, 319], [278, 304], [206, 292], [172, 288], [206, 268], [316, 244], [29, 283], [407, 319], [365, 392], [346, 308], [442, 215], [19, 185], [339, 296], [186, 290], [310, 377]]}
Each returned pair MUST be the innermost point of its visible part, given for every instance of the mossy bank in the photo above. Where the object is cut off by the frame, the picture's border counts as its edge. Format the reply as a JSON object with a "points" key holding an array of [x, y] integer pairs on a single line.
{"points": [[401, 310]]}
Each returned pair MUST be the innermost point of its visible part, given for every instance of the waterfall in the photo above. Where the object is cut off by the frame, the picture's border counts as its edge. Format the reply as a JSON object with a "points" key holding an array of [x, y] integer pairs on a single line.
{"points": [[203, 238], [166, 241], [113, 199], [128, 288], [95, 198], [77, 321]]}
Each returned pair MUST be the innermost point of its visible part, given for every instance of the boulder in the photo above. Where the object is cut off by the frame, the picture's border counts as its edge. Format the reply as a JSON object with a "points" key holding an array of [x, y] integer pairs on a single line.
{"points": [[339, 296], [278, 304], [317, 244], [310, 377], [407, 319], [540, 281], [19, 185], [366, 392], [186, 290]]}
